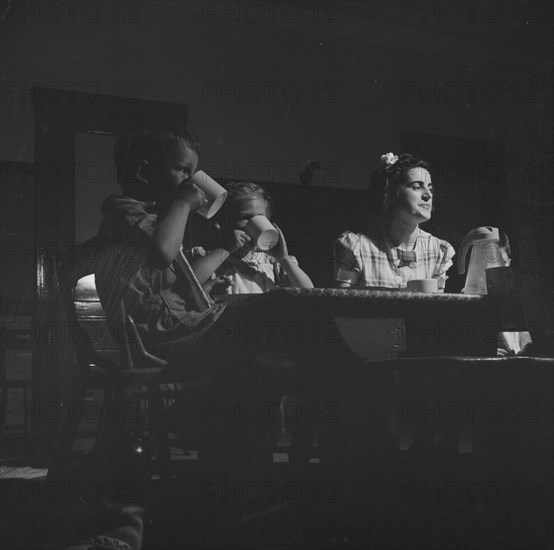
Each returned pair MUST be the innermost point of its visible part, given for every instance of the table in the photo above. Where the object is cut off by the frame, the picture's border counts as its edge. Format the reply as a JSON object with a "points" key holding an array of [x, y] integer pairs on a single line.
{"points": [[442, 350], [437, 433], [420, 324]]}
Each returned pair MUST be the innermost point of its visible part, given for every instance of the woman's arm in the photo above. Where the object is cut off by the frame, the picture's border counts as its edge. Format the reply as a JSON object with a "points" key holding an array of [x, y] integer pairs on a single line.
{"points": [[347, 266], [445, 262]]}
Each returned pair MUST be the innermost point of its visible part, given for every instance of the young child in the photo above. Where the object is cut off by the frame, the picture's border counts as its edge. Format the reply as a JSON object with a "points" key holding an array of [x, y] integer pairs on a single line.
{"points": [[146, 224], [144, 228], [247, 269]]}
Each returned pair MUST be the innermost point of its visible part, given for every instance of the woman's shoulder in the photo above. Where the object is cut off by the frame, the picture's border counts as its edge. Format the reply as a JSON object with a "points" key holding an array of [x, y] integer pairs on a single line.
{"points": [[349, 239], [434, 242]]}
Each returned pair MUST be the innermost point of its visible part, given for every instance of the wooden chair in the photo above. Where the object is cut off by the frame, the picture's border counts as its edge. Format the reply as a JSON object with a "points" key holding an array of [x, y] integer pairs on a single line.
{"points": [[109, 357]]}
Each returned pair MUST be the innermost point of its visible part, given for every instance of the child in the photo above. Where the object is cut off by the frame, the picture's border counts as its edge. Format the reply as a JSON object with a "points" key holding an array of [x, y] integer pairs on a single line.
{"points": [[253, 271], [154, 164], [145, 228], [235, 258], [394, 250]]}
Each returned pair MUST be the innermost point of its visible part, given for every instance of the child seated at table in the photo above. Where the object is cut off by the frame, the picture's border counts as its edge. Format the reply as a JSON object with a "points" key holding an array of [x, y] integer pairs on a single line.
{"points": [[154, 164], [144, 228], [252, 271], [235, 258]]}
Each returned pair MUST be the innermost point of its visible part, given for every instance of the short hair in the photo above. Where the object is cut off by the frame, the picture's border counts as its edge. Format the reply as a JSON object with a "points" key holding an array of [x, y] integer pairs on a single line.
{"points": [[385, 181], [148, 140], [239, 190]]}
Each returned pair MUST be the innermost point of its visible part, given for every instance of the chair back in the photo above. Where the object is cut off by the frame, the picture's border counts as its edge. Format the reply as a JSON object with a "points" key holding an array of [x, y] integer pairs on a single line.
{"points": [[115, 343], [96, 342], [108, 340]]}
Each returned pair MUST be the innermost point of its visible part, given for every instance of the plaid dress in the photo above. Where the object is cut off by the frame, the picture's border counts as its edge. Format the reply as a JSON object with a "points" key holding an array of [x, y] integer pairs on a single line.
{"points": [[370, 259]]}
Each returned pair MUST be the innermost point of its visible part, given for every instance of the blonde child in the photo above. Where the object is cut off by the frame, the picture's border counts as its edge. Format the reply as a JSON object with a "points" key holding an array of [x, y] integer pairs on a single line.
{"points": [[235, 258]]}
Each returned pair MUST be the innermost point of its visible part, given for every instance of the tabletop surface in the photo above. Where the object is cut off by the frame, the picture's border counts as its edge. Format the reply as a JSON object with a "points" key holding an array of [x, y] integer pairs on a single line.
{"points": [[377, 295]]}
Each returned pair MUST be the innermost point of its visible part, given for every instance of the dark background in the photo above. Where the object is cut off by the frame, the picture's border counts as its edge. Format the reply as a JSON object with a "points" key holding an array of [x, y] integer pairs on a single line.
{"points": [[469, 89], [271, 87]]}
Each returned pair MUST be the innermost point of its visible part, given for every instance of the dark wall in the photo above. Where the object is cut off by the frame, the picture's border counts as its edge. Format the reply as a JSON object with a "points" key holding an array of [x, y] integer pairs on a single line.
{"points": [[348, 83]]}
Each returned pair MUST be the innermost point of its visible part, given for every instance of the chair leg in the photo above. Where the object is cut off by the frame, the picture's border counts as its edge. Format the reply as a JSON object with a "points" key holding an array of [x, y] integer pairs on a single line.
{"points": [[108, 413], [159, 428], [69, 427]]}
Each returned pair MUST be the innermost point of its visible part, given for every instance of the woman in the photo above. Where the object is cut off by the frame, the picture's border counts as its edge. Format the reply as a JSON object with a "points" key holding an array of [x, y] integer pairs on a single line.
{"points": [[393, 249]]}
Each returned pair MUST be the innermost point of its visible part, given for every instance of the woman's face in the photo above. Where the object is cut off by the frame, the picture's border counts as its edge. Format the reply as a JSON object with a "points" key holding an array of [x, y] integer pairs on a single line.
{"points": [[415, 196]]}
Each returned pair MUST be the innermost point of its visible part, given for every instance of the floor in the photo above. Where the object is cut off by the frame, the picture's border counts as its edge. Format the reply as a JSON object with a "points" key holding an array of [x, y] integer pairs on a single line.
{"points": [[293, 507]]}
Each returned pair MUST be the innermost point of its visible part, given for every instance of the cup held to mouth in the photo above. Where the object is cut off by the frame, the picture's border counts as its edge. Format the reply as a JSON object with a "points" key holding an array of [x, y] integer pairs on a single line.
{"points": [[262, 233], [215, 194]]}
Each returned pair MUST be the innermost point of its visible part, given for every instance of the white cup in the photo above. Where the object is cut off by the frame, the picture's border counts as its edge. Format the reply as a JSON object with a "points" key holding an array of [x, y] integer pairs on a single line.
{"points": [[215, 194], [423, 285], [262, 232]]}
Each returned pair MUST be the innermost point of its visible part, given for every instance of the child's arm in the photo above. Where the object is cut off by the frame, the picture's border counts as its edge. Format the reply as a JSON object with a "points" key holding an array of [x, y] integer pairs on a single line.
{"points": [[170, 229], [296, 275], [205, 266]]}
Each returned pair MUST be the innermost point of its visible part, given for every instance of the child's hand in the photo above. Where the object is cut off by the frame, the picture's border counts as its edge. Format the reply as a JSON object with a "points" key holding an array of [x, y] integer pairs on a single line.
{"points": [[191, 194], [235, 239], [213, 287], [280, 250]]}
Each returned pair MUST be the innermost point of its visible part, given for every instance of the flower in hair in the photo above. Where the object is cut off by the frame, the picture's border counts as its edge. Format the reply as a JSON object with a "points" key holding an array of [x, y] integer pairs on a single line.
{"points": [[388, 160]]}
